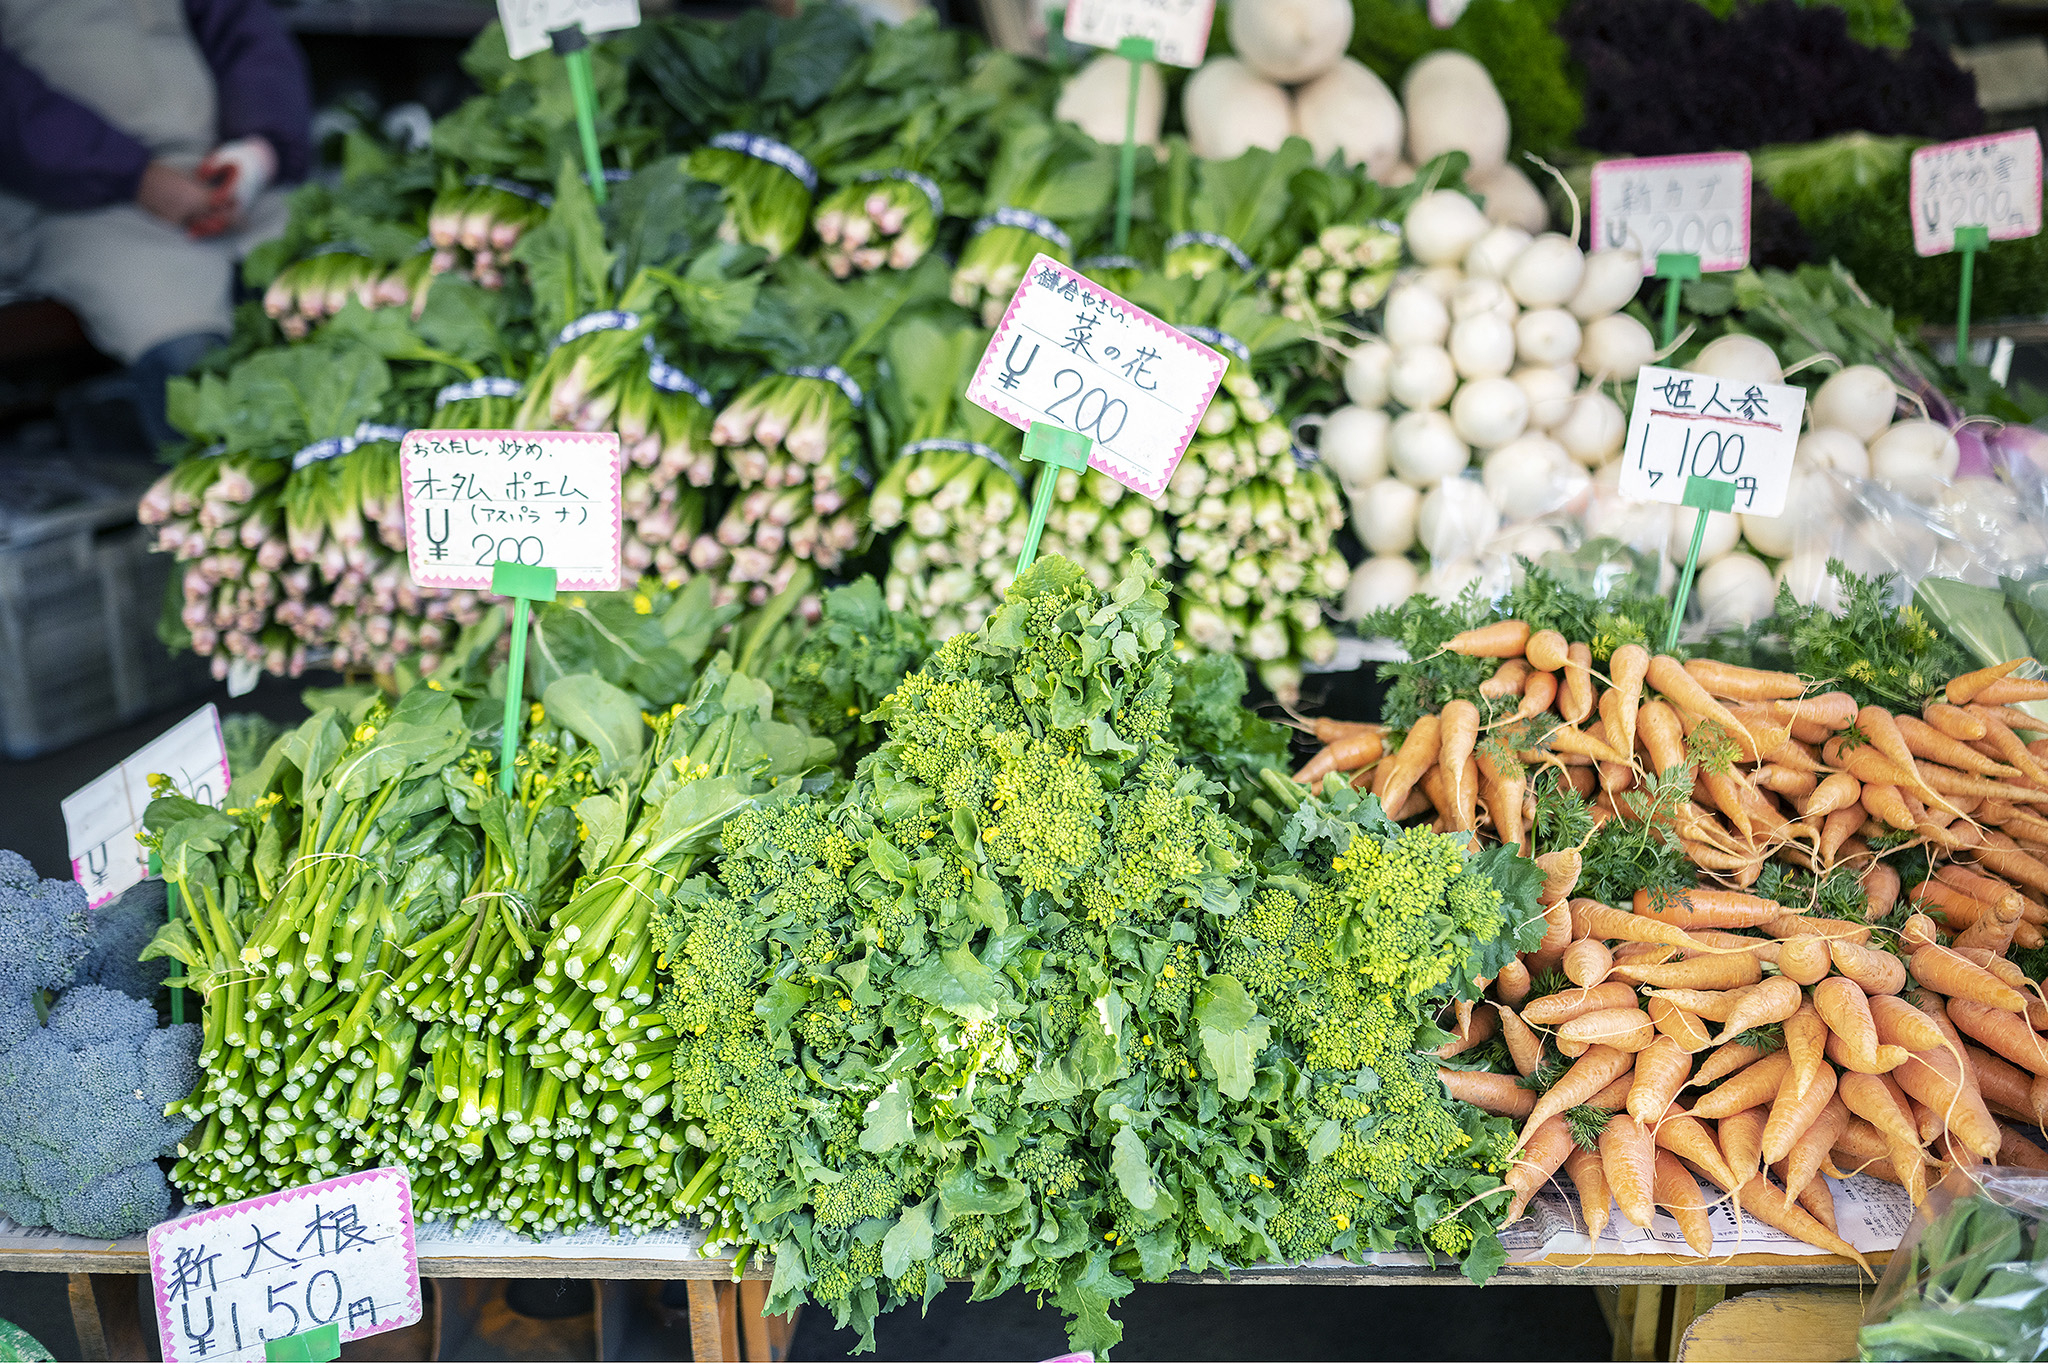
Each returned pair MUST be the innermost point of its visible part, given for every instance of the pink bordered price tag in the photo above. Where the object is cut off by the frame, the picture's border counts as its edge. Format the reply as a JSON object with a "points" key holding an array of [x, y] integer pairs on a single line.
{"points": [[547, 499], [102, 817], [338, 1254], [1179, 29], [529, 22], [1990, 182], [1070, 353], [1687, 205]]}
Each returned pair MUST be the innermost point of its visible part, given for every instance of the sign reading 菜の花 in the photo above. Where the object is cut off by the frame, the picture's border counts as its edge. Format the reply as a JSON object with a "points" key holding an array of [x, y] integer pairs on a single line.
{"points": [[529, 22], [1179, 29], [541, 498], [1989, 182], [102, 817], [1728, 430], [1684, 205], [1072, 354], [335, 1255]]}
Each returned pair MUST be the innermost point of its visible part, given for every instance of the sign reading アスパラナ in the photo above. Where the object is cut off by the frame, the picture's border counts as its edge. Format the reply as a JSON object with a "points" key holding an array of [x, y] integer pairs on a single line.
{"points": [[548, 499]]}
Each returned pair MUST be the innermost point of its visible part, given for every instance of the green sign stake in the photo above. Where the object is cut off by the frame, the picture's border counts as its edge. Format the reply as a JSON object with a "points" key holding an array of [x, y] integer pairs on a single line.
{"points": [[525, 584], [1136, 51], [573, 47], [1708, 494], [307, 1347], [1676, 267], [1056, 448], [1969, 241], [156, 868]]}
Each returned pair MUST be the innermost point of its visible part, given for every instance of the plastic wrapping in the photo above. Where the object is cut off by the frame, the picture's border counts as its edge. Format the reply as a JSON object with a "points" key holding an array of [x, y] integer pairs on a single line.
{"points": [[1970, 1279]]}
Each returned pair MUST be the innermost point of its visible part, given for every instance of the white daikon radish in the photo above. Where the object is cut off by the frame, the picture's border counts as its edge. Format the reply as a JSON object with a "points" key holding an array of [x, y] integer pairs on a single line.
{"points": [[1547, 336], [1229, 109], [1350, 110], [1353, 443], [1493, 253], [1365, 372], [1512, 198], [1615, 347], [1724, 529], [1380, 582], [1415, 316], [1592, 432], [1424, 448], [1483, 347], [1291, 41], [1453, 107], [1612, 278], [1739, 357], [1733, 591], [1547, 272], [1456, 520], [1488, 413], [1530, 476], [1859, 399], [1916, 457], [1441, 226], [1826, 447], [1806, 573], [1422, 376], [1094, 97], [1383, 516], [1549, 389], [1478, 297]]}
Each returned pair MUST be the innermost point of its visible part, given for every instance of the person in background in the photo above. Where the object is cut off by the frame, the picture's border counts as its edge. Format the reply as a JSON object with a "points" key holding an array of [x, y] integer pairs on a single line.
{"points": [[139, 143]]}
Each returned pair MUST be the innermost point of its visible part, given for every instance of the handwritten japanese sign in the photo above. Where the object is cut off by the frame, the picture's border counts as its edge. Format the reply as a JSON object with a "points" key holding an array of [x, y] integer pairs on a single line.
{"points": [[543, 498], [1179, 29], [1071, 353], [1729, 430], [1989, 182], [529, 22], [102, 817], [338, 1253], [1692, 205]]}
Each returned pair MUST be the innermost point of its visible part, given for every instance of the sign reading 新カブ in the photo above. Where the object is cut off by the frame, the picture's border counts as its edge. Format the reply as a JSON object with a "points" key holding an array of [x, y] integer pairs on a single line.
{"points": [[1989, 182], [1687, 426], [1072, 354], [335, 1258], [1674, 205], [546, 499]]}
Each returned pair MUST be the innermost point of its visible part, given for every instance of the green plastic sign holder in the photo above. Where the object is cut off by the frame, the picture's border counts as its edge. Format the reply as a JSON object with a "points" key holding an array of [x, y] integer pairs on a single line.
{"points": [[1709, 495], [1136, 51], [1056, 448], [1677, 267], [572, 45], [156, 868], [307, 1347], [525, 584], [1969, 241]]}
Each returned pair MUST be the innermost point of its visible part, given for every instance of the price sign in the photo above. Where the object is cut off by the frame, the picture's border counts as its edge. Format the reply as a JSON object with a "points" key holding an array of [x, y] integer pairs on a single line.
{"points": [[1989, 182], [1689, 205], [334, 1256], [547, 499], [1070, 353], [1687, 426], [102, 817], [1179, 29], [529, 22]]}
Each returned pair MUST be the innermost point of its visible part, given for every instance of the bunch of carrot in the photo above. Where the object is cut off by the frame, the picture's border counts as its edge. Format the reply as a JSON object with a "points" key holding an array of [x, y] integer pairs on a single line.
{"points": [[1713, 1034]]}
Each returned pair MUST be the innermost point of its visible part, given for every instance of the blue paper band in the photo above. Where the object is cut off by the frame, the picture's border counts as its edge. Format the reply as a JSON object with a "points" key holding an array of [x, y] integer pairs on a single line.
{"points": [[611, 320], [669, 379], [490, 386], [1215, 239], [831, 374], [966, 447], [773, 152], [1209, 336], [1036, 223], [527, 192], [925, 183]]}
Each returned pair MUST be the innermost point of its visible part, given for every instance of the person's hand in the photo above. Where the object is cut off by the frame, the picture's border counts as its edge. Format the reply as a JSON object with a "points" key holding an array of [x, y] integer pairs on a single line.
{"points": [[178, 197], [237, 172]]}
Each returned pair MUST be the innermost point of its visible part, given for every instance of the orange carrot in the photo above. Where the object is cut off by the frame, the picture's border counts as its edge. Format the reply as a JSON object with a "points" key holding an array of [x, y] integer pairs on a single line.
{"points": [[1879, 1062], [1627, 667], [1899, 1024], [1627, 1030], [1766, 1202], [2007, 691], [1557, 935], [1536, 1160], [1954, 721], [1999, 737], [2006, 1034], [1878, 973], [1551, 1010], [1879, 727], [2006, 1088], [1546, 651], [1594, 1198], [1678, 686], [1846, 1010], [2014, 1149], [1791, 1115], [1587, 962], [2009, 860], [1501, 639], [1835, 833], [1710, 1004], [1590, 1074], [1826, 713], [1811, 1150], [1937, 1079], [1800, 925], [1496, 1094], [1806, 1038], [1614, 1097], [1678, 1024], [1755, 1084], [1511, 986], [1993, 930], [1925, 741], [1879, 1102], [1861, 1150], [1578, 683], [1946, 782], [1767, 1002], [1560, 874], [1880, 890], [1591, 919], [1628, 1157], [1473, 1029], [1793, 785], [1506, 681], [1538, 692], [1726, 972], [1458, 731], [1344, 755], [1688, 1137], [1525, 1048], [1804, 960], [1944, 972], [1661, 1071], [1744, 684], [1838, 792], [1704, 907], [1584, 744], [1416, 753], [1742, 1142], [1966, 688]]}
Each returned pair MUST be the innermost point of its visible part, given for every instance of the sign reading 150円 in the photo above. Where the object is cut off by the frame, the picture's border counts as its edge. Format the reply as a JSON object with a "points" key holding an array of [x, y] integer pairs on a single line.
{"points": [[1687, 426], [1072, 354], [547, 499]]}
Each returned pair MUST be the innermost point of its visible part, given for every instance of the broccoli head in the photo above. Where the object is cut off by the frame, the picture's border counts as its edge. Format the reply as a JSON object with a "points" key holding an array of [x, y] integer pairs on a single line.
{"points": [[45, 931], [120, 930]]}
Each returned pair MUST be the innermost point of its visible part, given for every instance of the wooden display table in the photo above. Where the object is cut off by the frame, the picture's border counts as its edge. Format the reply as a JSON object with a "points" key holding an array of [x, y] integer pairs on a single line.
{"points": [[1779, 1324]]}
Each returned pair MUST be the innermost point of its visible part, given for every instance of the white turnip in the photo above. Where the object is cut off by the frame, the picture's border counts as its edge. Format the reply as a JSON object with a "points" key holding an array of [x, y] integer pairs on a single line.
{"points": [[1549, 389], [1917, 457], [1382, 581], [1415, 316], [1441, 226], [1488, 413], [1493, 253], [1456, 520], [1424, 448], [1741, 358], [1547, 336], [1825, 447], [1350, 110], [1229, 109], [1512, 198], [1353, 444], [1422, 376], [1531, 476], [1547, 272], [1723, 530], [1452, 105], [1484, 297], [1733, 591], [1094, 97], [1291, 41], [1365, 372], [1611, 279], [1383, 516], [1615, 347], [1859, 400], [1592, 432], [1483, 346], [1806, 573]]}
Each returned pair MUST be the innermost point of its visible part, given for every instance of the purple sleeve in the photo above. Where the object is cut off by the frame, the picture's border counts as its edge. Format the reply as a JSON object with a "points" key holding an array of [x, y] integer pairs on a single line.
{"points": [[56, 151], [259, 76]]}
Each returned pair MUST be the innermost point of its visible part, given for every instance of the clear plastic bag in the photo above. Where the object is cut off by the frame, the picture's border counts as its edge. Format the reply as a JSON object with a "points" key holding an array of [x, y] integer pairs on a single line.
{"points": [[1970, 1279]]}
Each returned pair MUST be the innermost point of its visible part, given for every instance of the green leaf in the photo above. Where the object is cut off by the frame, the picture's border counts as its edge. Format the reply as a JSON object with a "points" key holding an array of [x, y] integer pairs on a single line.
{"points": [[958, 983], [888, 1127], [1091, 1289], [604, 819], [967, 1190], [779, 1003], [423, 733], [1232, 1033], [601, 715], [909, 1242], [1133, 1172], [1485, 1258]]}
